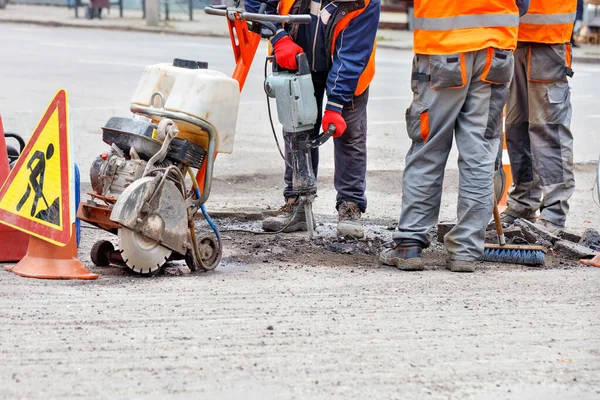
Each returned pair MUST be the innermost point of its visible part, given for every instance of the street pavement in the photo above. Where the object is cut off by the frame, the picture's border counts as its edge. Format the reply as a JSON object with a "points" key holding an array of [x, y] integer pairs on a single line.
{"points": [[282, 318], [100, 69]]}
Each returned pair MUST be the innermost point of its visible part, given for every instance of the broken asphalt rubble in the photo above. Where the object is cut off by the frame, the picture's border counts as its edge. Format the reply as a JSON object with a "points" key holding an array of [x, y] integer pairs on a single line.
{"points": [[565, 244]]}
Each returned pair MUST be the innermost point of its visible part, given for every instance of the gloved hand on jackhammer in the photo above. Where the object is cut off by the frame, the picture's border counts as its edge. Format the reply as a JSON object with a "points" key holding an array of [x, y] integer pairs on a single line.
{"points": [[333, 117], [285, 53]]}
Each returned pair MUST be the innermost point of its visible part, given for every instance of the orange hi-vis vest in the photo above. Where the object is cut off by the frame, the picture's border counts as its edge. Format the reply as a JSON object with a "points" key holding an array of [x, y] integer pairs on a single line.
{"points": [[459, 26], [548, 21], [368, 74]]}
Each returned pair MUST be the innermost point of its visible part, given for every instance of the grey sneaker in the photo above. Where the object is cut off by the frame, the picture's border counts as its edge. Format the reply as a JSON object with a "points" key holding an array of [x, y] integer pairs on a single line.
{"points": [[404, 258], [349, 220], [549, 226], [290, 216], [461, 265], [508, 218]]}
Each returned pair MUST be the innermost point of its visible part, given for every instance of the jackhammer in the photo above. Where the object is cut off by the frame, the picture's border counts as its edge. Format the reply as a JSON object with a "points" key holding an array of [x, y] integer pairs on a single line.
{"points": [[297, 111]]}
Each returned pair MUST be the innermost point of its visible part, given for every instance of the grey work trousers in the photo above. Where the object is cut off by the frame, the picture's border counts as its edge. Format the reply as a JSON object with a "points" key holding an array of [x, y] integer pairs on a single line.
{"points": [[461, 96], [538, 135], [350, 150]]}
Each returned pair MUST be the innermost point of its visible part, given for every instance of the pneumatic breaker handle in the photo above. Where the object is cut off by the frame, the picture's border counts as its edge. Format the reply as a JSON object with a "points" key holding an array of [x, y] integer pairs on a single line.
{"points": [[232, 12], [321, 139], [303, 66]]}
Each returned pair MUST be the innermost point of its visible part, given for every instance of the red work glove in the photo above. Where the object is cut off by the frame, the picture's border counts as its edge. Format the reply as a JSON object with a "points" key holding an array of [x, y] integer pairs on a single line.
{"points": [[285, 53], [335, 118]]}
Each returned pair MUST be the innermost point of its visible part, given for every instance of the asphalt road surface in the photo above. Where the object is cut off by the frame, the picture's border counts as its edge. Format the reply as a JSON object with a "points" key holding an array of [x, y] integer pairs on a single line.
{"points": [[281, 317]]}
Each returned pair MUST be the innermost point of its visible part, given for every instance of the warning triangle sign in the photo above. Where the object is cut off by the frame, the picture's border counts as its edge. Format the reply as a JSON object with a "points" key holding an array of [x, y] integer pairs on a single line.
{"points": [[36, 197]]}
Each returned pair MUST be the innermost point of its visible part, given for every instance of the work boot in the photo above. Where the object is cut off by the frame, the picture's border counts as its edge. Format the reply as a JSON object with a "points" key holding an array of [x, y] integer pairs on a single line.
{"points": [[549, 226], [404, 258], [290, 216], [461, 265], [349, 220], [508, 217]]}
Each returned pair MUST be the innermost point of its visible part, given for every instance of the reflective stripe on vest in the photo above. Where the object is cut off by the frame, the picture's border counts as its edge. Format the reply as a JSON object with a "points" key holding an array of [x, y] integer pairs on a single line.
{"points": [[548, 19], [466, 22]]}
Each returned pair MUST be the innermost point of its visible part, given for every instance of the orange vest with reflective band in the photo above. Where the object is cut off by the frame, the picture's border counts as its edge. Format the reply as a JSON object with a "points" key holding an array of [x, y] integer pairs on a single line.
{"points": [[459, 26], [367, 76], [548, 21]]}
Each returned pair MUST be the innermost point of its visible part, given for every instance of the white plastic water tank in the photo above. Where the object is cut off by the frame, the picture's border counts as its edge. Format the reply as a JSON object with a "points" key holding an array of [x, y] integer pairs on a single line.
{"points": [[202, 93]]}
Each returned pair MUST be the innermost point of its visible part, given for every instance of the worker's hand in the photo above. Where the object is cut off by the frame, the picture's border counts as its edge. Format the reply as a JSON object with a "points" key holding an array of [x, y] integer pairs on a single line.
{"points": [[335, 118], [285, 53]]}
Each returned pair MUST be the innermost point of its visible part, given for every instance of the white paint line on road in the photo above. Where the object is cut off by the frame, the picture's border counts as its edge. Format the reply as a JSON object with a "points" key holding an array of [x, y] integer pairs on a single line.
{"points": [[587, 68], [69, 45], [18, 37], [583, 96], [93, 108], [113, 63], [380, 98], [202, 45], [387, 123]]}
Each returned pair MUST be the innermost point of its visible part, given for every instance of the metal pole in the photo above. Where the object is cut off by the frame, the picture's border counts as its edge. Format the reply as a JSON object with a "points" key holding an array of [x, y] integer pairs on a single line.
{"points": [[191, 8], [121, 8], [152, 12], [167, 10], [77, 8], [143, 9]]}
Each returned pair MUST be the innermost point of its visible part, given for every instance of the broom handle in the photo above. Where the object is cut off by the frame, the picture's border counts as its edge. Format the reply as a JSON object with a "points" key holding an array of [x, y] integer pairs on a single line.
{"points": [[498, 222]]}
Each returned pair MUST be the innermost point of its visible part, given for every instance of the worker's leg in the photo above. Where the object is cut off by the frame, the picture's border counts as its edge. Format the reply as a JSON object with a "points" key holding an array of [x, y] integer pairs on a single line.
{"points": [[477, 138], [351, 154], [525, 195], [549, 131], [350, 158], [430, 123]]}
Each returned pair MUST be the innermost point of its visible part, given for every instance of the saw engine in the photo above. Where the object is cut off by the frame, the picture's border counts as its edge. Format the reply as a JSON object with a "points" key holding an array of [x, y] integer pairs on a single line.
{"points": [[145, 189]]}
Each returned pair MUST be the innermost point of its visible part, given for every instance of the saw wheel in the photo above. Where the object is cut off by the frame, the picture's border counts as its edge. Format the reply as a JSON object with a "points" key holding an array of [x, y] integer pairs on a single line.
{"points": [[210, 253], [140, 253]]}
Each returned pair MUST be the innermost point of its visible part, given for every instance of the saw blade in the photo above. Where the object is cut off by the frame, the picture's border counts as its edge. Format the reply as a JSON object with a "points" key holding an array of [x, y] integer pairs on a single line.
{"points": [[141, 254]]}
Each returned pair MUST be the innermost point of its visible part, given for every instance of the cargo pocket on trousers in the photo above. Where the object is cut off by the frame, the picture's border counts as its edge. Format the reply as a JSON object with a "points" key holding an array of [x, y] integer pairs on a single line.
{"points": [[417, 122], [547, 62], [499, 67], [558, 104], [447, 71]]}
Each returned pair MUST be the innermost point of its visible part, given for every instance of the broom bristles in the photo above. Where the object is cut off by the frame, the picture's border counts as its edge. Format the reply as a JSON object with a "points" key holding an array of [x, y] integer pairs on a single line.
{"points": [[514, 256]]}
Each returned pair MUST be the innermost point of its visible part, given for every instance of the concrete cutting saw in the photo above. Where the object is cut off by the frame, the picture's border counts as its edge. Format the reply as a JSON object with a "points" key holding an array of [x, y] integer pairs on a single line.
{"points": [[157, 174]]}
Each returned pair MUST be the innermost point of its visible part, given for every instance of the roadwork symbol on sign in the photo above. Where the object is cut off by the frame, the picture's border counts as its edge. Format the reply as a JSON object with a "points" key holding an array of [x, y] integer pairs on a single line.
{"points": [[36, 197]]}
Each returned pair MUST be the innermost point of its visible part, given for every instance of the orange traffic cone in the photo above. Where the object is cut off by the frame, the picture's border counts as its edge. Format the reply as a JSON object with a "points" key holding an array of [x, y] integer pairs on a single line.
{"points": [[502, 204], [45, 260]]}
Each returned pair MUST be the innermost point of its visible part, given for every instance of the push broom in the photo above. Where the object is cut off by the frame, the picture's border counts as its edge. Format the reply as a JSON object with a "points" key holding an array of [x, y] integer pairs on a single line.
{"points": [[510, 253]]}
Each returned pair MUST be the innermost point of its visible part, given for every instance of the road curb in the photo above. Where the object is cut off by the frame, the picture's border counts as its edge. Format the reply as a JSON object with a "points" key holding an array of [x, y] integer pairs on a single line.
{"points": [[113, 28]]}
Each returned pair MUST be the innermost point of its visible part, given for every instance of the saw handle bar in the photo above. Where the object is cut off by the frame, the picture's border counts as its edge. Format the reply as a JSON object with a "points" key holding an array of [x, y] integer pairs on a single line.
{"points": [[232, 13], [318, 141]]}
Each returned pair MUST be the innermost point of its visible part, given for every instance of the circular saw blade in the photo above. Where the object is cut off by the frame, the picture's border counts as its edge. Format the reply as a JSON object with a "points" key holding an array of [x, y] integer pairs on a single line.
{"points": [[141, 254]]}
